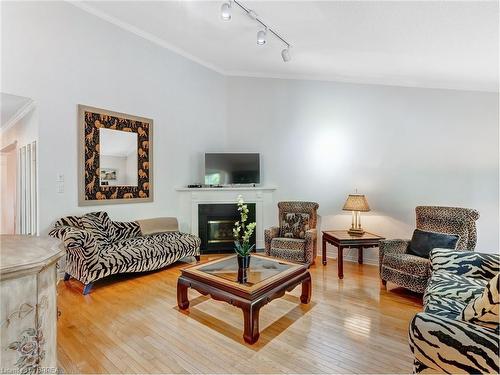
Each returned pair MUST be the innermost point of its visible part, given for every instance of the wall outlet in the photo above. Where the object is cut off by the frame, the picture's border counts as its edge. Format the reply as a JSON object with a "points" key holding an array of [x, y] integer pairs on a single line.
{"points": [[60, 177]]}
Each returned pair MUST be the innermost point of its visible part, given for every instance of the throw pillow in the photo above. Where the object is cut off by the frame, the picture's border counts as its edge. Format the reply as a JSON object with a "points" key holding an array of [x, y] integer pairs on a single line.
{"points": [[423, 242], [294, 225], [484, 309], [101, 227]]}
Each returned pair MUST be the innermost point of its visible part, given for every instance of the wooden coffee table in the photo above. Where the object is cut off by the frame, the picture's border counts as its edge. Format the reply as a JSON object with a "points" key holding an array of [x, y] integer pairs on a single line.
{"points": [[342, 239], [266, 279]]}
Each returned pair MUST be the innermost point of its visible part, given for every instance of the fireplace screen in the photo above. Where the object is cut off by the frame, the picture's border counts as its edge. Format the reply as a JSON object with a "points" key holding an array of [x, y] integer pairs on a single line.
{"points": [[220, 231]]}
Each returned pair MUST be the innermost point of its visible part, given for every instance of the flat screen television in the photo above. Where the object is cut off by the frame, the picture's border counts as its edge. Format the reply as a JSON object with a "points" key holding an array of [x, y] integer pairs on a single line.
{"points": [[232, 168]]}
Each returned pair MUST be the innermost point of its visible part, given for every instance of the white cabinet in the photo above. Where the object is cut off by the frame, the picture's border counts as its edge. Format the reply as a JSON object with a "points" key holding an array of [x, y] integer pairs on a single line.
{"points": [[28, 309]]}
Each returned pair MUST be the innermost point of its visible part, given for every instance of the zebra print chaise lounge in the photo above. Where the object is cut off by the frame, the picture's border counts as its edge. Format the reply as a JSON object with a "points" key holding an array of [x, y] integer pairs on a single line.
{"points": [[97, 247], [458, 332]]}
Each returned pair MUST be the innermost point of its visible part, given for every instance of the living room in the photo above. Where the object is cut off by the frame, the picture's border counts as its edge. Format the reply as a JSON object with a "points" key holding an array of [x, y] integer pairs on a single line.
{"points": [[387, 105]]}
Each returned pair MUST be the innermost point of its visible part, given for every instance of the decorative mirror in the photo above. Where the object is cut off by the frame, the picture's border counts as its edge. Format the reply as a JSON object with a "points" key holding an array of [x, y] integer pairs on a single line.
{"points": [[115, 157]]}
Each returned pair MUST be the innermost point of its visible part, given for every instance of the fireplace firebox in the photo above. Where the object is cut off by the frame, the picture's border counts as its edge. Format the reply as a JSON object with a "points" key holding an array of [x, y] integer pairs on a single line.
{"points": [[215, 226]]}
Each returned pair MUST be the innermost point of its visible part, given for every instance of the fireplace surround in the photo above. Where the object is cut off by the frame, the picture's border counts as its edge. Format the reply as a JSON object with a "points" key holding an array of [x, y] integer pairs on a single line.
{"points": [[266, 213], [215, 226]]}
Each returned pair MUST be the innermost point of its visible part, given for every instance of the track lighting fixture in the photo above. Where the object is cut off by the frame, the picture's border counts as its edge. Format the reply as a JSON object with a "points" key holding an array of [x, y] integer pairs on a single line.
{"points": [[285, 54], [261, 37], [261, 34], [225, 11]]}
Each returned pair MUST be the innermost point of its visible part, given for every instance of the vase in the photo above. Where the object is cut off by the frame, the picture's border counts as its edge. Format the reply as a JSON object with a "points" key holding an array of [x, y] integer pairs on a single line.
{"points": [[242, 275], [243, 262]]}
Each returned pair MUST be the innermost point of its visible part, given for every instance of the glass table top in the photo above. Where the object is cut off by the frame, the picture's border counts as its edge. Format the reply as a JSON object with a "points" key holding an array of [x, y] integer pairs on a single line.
{"points": [[260, 269]]}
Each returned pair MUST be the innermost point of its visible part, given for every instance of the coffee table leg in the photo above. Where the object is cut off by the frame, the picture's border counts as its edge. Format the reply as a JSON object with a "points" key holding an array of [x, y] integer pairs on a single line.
{"points": [[360, 255], [340, 261], [182, 295], [251, 323], [305, 297], [323, 255]]}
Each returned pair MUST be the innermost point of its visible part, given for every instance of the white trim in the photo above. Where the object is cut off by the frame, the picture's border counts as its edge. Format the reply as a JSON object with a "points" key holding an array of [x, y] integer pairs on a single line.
{"points": [[142, 33], [23, 111], [379, 81]]}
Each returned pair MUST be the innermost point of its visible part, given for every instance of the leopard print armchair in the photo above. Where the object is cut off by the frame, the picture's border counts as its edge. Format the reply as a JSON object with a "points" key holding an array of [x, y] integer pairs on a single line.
{"points": [[295, 237], [412, 272]]}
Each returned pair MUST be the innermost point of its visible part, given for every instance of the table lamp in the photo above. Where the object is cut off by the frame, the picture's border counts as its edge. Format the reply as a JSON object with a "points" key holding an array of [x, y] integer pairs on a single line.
{"points": [[356, 203]]}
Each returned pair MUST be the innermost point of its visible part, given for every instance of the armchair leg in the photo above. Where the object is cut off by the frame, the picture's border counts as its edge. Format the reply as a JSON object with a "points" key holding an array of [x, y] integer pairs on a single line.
{"points": [[67, 276], [87, 288], [384, 283], [197, 257]]}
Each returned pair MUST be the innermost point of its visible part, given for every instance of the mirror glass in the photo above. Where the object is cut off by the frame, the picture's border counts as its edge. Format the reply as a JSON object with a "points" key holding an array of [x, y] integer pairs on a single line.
{"points": [[117, 158]]}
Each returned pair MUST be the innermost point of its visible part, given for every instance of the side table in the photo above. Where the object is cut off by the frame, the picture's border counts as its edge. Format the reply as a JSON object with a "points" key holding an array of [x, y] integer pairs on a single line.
{"points": [[342, 239]]}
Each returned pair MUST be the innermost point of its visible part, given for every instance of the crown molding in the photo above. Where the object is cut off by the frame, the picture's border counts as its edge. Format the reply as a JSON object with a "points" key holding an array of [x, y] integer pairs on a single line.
{"points": [[373, 81], [23, 111], [143, 34], [380, 81]]}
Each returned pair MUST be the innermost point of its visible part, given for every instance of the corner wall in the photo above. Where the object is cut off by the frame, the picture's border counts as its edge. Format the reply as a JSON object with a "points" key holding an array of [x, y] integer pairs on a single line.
{"points": [[402, 147], [61, 56]]}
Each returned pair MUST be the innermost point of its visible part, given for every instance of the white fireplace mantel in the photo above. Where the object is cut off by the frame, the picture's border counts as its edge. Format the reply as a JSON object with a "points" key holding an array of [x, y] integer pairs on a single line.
{"points": [[265, 208]]}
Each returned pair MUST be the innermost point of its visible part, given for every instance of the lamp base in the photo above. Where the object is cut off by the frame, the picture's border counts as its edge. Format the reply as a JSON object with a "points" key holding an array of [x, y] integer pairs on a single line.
{"points": [[356, 231]]}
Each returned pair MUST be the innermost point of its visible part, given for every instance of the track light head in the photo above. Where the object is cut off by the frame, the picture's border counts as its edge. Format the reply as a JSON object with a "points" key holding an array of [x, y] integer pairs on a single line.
{"points": [[285, 54], [225, 11], [261, 37]]}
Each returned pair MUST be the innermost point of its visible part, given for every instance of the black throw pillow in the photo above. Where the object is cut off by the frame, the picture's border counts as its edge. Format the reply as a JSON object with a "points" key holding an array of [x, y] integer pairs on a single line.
{"points": [[423, 242]]}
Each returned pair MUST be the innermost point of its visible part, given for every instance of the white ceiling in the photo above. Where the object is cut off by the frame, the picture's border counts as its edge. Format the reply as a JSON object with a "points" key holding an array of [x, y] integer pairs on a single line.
{"points": [[444, 44], [12, 108]]}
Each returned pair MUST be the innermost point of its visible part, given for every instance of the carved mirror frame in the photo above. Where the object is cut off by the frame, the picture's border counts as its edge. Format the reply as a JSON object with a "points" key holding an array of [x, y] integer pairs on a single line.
{"points": [[90, 191]]}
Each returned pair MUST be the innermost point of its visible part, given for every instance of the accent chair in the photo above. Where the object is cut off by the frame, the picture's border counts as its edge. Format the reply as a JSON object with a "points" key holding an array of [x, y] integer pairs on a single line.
{"points": [[458, 331], [413, 272], [295, 236]]}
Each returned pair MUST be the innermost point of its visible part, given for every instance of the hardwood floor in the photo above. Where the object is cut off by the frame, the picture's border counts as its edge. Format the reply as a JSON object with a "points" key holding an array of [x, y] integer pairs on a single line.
{"points": [[131, 324]]}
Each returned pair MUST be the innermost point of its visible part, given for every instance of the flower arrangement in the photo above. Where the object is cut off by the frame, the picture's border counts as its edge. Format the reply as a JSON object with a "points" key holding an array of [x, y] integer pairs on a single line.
{"points": [[243, 231]]}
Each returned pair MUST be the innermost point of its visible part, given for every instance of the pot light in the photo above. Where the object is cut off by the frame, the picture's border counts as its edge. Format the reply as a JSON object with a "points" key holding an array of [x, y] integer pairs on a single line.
{"points": [[261, 37], [225, 11]]}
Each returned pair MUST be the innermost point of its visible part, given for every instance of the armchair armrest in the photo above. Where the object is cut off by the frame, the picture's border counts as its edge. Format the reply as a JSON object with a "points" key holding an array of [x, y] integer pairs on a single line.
{"points": [[465, 263], [78, 242], [396, 246], [269, 234], [310, 238], [453, 346]]}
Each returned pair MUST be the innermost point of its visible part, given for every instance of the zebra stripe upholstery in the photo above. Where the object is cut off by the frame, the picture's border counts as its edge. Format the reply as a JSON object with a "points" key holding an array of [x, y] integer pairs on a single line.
{"points": [[411, 271], [97, 247], [458, 332]]}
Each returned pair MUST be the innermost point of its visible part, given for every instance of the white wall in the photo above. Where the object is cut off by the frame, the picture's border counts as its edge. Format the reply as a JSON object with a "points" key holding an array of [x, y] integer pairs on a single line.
{"points": [[61, 56], [402, 147]]}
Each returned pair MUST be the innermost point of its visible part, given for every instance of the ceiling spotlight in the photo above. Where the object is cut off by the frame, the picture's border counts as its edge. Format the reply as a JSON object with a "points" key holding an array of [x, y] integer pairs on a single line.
{"points": [[261, 37], [285, 54], [225, 11]]}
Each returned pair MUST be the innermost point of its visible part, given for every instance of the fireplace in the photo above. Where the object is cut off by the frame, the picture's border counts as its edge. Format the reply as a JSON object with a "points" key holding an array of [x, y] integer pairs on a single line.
{"points": [[215, 226]]}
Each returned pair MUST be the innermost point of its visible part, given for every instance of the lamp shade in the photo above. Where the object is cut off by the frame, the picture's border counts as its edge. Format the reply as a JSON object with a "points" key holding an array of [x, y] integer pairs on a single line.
{"points": [[356, 202]]}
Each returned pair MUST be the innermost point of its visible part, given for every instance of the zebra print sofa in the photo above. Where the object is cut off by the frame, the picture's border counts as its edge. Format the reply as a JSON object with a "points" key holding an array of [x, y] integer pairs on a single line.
{"points": [[97, 247], [458, 332]]}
